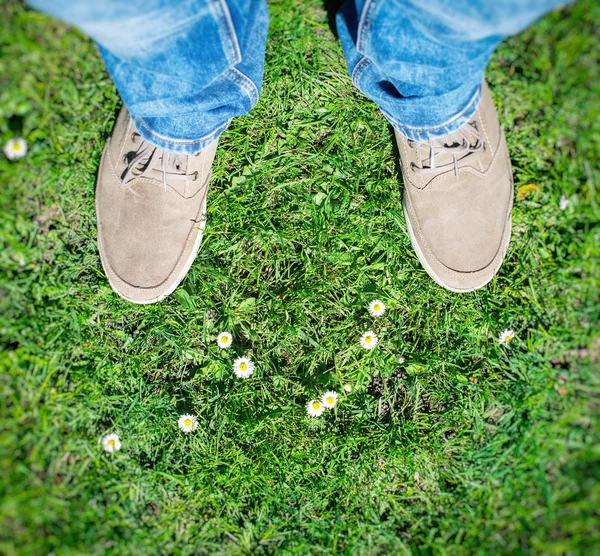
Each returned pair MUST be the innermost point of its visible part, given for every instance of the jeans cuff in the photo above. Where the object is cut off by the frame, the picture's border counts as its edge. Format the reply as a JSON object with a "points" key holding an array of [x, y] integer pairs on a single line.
{"points": [[435, 132], [182, 146]]}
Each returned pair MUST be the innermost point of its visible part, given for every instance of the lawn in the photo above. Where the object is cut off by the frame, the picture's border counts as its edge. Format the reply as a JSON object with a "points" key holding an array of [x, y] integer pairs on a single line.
{"points": [[448, 443]]}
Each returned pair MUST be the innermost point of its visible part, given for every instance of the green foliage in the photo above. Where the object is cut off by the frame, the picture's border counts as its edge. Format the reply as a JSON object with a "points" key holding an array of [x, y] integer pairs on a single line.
{"points": [[448, 444]]}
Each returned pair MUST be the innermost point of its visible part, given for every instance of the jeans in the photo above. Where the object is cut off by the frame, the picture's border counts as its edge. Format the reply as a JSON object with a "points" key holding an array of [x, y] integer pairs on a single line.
{"points": [[185, 68]]}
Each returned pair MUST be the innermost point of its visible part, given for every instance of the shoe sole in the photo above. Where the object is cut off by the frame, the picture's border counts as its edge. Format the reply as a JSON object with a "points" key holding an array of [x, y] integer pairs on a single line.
{"points": [[429, 269], [180, 275]]}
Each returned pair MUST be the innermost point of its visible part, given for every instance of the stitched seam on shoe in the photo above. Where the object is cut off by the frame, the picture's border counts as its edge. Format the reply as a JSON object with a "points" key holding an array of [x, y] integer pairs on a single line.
{"points": [[424, 246], [127, 134], [201, 173], [202, 167], [134, 289], [184, 141], [408, 169], [487, 139], [400, 126], [113, 170]]}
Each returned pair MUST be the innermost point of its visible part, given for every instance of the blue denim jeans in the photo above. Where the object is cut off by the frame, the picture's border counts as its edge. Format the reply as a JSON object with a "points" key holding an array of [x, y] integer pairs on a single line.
{"points": [[422, 61], [185, 68]]}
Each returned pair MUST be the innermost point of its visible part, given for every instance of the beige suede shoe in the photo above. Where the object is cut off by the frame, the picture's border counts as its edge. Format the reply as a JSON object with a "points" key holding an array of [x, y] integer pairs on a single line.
{"points": [[458, 197], [151, 210]]}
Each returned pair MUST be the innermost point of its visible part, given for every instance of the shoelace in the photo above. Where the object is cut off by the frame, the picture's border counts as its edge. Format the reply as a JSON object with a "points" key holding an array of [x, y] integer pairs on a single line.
{"points": [[149, 160], [457, 144]]}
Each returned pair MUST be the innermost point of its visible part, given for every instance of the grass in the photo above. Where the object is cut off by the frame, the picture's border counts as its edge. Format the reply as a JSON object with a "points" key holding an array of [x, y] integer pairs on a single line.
{"points": [[448, 444]]}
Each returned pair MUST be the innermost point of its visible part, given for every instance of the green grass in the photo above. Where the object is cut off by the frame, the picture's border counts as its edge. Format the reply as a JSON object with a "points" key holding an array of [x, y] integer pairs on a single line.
{"points": [[449, 442]]}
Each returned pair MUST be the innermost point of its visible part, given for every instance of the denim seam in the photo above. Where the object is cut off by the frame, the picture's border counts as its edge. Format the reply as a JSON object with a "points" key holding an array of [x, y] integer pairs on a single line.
{"points": [[226, 35], [208, 137], [470, 104], [231, 29], [245, 83], [362, 65], [366, 18]]}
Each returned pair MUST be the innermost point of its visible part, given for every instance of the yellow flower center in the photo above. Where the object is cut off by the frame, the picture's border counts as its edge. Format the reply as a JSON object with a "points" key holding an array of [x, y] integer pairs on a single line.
{"points": [[377, 307], [316, 405], [16, 147], [508, 339], [111, 442], [243, 366], [330, 400], [224, 339], [188, 422], [369, 339]]}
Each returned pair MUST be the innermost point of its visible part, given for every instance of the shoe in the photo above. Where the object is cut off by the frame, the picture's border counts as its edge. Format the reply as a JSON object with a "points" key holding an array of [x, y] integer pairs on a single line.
{"points": [[458, 197], [151, 213]]}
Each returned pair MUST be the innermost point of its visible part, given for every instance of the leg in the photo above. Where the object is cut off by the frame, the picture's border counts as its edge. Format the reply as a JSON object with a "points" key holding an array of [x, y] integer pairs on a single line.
{"points": [[184, 70], [423, 64]]}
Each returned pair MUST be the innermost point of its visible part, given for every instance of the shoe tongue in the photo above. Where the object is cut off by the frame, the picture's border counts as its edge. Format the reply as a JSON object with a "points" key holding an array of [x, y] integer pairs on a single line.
{"points": [[175, 163]]}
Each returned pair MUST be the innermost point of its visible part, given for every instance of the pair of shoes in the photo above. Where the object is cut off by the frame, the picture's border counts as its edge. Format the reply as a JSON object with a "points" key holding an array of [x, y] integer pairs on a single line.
{"points": [[151, 206]]}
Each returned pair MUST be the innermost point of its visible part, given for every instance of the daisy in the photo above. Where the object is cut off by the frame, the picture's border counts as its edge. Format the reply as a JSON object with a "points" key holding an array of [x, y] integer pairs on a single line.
{"points": [[243, 367], [563, 203], [376, 308], [329, 399], [368, 340], [506, 337], [224, 340], [347, 388], [15, 149], [187, 423], [111, 443], [315, 408]]}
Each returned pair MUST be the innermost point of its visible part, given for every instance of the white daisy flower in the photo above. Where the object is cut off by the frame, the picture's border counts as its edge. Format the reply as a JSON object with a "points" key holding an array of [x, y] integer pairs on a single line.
{"points": [[243, 367], [329, 399], [15, 148], [563, 203], [187, 423], [506, 337], [347, 388], [111, 443], [368, 340], [376, 308], [315, 408], [224, 340]]}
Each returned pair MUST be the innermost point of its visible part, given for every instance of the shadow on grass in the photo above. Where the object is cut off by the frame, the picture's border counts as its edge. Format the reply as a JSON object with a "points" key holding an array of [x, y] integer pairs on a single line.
{"points": [[332, 7]]}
